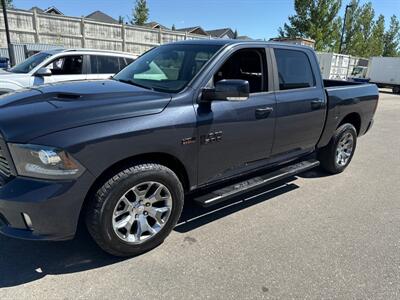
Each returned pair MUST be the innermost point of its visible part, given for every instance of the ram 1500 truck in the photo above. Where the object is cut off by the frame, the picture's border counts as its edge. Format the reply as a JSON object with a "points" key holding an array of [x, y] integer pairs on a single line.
{"points": [[210, 119]]}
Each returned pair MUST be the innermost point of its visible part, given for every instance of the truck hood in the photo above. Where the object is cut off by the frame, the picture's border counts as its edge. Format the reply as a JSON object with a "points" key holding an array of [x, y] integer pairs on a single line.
{"points": [[28, 114]]}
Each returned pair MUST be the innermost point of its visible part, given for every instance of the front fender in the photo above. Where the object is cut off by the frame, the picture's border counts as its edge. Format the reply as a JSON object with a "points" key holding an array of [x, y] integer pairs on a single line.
{"points": [[101, 145]]}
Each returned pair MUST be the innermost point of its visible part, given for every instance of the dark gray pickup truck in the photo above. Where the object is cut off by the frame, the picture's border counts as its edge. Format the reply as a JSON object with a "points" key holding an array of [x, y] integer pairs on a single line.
{"points": [[210, 119]]}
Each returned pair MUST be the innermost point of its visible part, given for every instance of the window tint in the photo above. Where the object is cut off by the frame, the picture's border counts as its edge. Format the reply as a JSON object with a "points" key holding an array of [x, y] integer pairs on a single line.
{"points": [[66, 65], [246, 64], [123, 62], [294, 69], [129, 60], [102, 64]]}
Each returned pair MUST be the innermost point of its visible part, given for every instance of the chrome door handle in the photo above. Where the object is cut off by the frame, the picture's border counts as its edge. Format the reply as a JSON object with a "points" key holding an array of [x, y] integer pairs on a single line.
{"points": [[263, 112], [318, 103]]}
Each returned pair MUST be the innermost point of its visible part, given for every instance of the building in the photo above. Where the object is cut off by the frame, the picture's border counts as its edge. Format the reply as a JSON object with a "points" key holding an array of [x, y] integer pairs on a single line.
{"points": [[155, 25], [50, 10], [244, 38], [99, 16], [223, 33], [194, 30], [296, 41]]}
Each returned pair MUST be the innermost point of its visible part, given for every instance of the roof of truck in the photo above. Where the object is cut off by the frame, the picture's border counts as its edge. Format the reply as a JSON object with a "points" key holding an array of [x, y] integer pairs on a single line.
{"points": [[223, 42]]}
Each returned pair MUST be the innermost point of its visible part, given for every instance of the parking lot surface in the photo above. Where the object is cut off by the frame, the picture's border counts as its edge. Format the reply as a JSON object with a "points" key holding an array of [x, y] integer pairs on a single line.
{"points": [[313, 237]]}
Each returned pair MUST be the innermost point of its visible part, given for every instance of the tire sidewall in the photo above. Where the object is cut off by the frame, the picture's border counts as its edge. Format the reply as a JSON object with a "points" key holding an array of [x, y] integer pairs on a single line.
{"points": [[120, 187], [340, 132]]}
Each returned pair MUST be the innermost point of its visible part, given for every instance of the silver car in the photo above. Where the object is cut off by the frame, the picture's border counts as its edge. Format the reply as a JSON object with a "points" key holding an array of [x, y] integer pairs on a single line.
{"points": [[63, 65]]}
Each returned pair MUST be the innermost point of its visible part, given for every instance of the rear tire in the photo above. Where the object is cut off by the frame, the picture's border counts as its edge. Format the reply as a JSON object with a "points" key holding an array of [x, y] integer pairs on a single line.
{"points": [[337, 155], [135, 210]]}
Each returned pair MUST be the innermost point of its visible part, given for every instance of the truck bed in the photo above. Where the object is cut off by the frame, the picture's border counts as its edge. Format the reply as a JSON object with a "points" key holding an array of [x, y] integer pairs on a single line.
{"points": [[344, 98]]}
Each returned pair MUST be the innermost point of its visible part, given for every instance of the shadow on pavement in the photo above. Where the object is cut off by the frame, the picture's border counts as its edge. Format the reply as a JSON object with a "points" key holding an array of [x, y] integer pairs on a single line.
{"points": [[26, 261], [194, 216]]}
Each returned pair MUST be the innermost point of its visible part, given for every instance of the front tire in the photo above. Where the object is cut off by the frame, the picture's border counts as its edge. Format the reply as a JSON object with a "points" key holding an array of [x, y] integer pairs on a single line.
{"points": [[135, 210], [337, 155]]}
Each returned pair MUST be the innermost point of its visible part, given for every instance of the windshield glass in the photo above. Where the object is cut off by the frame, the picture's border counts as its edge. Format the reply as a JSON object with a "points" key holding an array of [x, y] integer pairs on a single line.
{"points": [[30, 63], [167, 68]]}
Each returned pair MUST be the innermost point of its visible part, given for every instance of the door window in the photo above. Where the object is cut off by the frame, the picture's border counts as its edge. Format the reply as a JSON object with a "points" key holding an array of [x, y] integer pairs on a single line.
{"points": [[294, 69], [246, 64], [66, 65], [102, 64], [123, 62]]}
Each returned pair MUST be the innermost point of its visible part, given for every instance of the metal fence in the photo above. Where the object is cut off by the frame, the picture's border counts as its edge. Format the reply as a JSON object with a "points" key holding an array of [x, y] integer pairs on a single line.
{"points": [[23, 51], [71, 32]]}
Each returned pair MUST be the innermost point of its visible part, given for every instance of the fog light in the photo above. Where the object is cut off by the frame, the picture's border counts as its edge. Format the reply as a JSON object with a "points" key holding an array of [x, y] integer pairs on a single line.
{"points": [[28, 221]]}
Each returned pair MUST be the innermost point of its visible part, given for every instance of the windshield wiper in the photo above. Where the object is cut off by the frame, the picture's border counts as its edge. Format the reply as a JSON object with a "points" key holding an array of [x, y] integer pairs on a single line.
{"points": [[133, 83]]}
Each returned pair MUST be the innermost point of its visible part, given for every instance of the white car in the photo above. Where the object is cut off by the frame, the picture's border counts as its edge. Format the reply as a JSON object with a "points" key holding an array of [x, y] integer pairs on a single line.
{"points": [[63, 65]]}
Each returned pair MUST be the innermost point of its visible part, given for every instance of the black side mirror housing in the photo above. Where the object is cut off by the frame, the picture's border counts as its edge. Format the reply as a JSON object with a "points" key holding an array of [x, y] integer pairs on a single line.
{"points": [[228, 90]]}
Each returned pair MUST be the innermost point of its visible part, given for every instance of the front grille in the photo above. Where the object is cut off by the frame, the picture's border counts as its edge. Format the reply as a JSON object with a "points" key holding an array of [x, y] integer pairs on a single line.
{"points": [[5, 169]]}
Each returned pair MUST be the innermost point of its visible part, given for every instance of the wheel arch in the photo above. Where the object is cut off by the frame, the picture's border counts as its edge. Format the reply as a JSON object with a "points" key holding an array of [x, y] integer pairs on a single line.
{"points": [[164, 159], [354, 119]]}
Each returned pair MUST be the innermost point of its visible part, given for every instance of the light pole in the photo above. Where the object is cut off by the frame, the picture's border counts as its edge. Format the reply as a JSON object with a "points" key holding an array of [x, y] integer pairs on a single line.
{"points": [[344, 28], [10, 52]]}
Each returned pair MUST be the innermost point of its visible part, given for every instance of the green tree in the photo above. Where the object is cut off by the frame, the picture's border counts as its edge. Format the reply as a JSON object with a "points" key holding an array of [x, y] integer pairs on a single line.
{"points": [[173, 27], [359, 28], [140, 13], [121, 20], [9, 4], [392, 38], [315, 19], [376, 41], [235, 34], [351, 26]]}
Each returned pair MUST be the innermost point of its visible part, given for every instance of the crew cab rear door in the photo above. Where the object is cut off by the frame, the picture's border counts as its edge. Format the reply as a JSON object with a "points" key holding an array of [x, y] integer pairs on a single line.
{"points": [[236, 136], [301, 100]]}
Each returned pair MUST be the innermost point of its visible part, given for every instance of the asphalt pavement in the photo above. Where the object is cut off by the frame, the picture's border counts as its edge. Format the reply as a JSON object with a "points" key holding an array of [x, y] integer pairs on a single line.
{"points": [[310, 237]]}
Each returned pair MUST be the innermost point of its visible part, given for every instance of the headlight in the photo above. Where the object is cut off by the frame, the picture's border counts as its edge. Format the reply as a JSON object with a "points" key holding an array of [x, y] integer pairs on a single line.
{"points": [[44, 162]]}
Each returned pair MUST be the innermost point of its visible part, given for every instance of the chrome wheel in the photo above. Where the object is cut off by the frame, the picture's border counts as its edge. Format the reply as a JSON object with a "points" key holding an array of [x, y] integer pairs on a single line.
{"points": [[344, 149], [141, 212]]}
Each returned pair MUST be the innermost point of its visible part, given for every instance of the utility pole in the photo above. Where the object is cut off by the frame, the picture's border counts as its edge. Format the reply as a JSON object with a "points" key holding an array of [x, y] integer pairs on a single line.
{"points": [[10, 50], [343, 29]]}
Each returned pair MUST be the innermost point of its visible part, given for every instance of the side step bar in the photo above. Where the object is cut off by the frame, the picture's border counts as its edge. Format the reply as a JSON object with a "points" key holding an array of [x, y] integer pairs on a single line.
{"points": [[236, 189]]}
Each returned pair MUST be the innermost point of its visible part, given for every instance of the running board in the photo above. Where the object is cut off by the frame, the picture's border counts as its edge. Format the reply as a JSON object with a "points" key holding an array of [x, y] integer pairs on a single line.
{"points": [[236, 189]]}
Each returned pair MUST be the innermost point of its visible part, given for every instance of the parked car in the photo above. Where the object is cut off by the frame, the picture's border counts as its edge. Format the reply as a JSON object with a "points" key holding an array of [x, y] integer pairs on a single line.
{"points": [[4, 63], [63, 65], [124, 153], [384, 71]]}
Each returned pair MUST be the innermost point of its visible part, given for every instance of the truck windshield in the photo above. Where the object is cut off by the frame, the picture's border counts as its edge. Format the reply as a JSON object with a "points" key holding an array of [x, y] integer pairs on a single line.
{"points": [[167, 68], [30, 63]]}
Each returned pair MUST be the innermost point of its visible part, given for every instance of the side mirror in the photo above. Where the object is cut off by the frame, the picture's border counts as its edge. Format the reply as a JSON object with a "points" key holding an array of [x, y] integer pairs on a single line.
{"points": [[228, 89], [43, 72]]}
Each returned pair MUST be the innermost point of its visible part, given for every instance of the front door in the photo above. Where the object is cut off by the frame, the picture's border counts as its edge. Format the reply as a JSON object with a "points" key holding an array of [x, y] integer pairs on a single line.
{"points": [[237, 136], [64, 68]]}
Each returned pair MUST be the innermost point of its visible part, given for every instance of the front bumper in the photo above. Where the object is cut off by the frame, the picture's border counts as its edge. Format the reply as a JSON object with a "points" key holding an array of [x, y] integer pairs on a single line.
{"points": [[52, 206]]}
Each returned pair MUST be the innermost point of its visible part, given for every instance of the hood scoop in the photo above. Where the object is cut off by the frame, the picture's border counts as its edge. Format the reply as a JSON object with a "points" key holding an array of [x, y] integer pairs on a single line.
{"points": [[67, 96]]}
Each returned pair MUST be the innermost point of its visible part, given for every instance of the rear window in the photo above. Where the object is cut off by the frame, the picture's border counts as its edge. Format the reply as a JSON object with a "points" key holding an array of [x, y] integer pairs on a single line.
{"points": [[294, 69], [102, 64]]}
